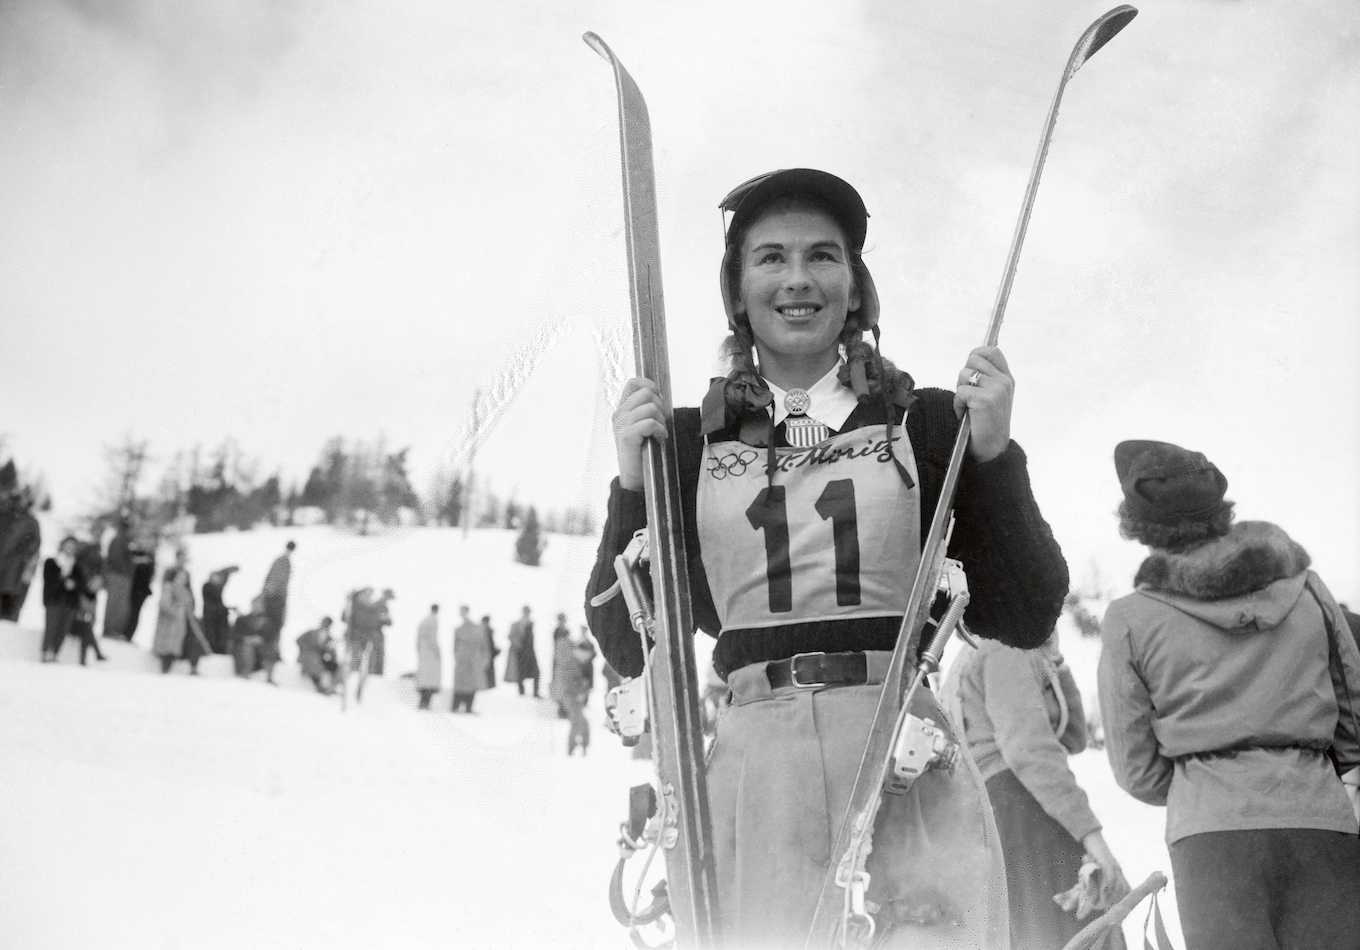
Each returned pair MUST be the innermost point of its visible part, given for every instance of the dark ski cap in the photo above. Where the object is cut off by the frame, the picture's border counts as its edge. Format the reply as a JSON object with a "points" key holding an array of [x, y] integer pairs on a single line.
{"points": [[837, 194], [1166, 484]]}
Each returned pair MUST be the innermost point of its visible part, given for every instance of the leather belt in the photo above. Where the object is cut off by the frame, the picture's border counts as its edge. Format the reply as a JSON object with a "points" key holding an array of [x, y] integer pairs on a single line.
{"points": [[814, 670]]}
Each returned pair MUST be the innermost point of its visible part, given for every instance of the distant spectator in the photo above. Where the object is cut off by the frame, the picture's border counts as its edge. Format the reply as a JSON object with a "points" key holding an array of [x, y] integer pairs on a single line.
{"points": [[143, 572], [493, 652], [470, 656], [560, 633], [178, 634], [317, 657], [380, 619], [357, 617], [62, 583], [118, 570], [216, 614], [20, 539], [585, 655], [82, 624], [429, 661], [275, 591], [254, 642], [522, 662], [568, 686]]}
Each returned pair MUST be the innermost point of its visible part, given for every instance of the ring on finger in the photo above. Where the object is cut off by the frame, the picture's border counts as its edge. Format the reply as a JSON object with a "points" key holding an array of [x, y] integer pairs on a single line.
{"points": [[974, 379]]}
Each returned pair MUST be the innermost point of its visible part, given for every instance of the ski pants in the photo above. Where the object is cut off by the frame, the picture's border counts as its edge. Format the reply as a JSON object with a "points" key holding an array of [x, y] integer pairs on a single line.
{"points": [[1268, 889], [779, 779]]}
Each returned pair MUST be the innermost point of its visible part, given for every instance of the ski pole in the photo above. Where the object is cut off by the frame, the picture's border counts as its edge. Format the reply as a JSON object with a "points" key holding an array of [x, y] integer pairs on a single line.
{"points": [[830, 924]]}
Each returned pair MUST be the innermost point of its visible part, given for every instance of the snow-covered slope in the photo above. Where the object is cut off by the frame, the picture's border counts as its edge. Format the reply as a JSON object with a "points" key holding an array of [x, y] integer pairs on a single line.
{"points": [[148, 811]]}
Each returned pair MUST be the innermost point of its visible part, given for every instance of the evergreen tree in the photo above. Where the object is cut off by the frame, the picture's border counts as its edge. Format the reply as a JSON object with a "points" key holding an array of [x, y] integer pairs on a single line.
{"points": [[529, 545]]}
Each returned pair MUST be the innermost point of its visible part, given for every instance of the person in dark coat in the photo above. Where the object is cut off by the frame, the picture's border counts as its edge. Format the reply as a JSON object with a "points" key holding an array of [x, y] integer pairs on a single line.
{"points": [[317, 657], [522, 662], [118, 570], [143, 573], [63, 581], [20, 540], [255, 648], [216, 614], [275, 591], [90, 564]]}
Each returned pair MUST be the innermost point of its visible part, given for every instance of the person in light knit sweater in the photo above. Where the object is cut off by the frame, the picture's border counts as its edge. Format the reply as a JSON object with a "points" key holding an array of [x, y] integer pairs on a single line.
{"points": [[1022, 716]]}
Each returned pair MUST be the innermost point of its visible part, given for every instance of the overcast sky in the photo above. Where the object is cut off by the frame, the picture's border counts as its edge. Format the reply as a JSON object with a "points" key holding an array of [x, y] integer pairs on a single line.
{"points": [[280, 221]]}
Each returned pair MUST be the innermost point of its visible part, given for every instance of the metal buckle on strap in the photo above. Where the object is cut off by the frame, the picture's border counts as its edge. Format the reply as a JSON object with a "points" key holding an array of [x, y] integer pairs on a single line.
{"points": [[793, 670]]}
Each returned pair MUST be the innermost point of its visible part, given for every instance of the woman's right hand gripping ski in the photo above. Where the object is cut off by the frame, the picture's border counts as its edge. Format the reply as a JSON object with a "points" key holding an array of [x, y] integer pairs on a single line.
{"points": [[640, 415]]}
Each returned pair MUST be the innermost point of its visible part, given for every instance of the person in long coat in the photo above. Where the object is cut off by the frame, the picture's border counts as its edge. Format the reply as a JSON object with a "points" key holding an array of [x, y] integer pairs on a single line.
{"points": [[143, 573], [470, 656], [216, 614], [63, 581], [174, 637], [493, 650], [90, 564], [522, 663], [118, 568], [429, 660], [1230, 691], [20, 540], [275, 591]]}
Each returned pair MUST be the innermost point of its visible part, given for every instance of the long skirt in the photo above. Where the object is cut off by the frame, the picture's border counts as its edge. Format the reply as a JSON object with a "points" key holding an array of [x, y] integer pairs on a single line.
{"points": [[1268, 889], [58, 625], [1042, 860], [779, 780], [118, 605]]}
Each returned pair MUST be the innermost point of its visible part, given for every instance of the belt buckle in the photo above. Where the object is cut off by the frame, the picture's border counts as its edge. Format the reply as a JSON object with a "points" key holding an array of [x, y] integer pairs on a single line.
{"points": [[793, 670]]}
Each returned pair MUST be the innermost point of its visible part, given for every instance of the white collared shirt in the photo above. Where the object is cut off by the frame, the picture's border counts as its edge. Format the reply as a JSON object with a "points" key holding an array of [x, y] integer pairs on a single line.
{"points": [[832, 403]]}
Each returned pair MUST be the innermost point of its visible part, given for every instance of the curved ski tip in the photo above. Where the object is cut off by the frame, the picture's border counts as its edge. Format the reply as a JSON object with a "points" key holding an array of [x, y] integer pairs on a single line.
{"points": [[1104, 29], [598, 45]]}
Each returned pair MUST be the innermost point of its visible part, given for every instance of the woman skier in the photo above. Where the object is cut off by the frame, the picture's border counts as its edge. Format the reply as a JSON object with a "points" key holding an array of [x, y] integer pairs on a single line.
{"points": [[808, 479]]}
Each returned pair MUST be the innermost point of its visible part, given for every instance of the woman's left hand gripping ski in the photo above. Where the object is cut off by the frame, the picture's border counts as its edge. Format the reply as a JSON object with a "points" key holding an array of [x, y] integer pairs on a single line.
{"points": [[986, 389]]}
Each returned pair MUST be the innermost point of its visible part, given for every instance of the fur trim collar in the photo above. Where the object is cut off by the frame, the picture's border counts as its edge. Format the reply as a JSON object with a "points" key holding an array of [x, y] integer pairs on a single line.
{"points": [[1251, 556]]}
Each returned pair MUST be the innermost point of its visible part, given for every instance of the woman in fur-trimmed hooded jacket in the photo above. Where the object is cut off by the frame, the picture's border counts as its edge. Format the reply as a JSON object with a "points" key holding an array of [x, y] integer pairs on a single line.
{"points": [[1229, 686]]}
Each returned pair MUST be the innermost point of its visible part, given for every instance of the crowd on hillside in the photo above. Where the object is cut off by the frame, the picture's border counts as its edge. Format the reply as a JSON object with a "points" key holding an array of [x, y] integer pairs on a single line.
{"points": [[190, 627], [474, 666]]}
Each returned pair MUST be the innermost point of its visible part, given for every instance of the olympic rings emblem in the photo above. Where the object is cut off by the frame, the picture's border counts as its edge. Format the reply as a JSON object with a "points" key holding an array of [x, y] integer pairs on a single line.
{"points": [[733, 463]]}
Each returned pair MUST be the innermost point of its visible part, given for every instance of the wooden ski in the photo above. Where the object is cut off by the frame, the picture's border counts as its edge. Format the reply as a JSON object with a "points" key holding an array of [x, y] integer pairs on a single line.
{"points": [[676, 710]]}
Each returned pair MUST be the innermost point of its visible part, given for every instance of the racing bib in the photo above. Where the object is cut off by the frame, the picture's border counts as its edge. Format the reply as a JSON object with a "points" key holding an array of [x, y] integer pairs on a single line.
{"points": [[836, 536]]}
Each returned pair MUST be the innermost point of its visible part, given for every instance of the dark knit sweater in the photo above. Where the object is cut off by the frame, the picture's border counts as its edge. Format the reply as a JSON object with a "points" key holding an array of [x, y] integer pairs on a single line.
{"points": [[1016, 573]]}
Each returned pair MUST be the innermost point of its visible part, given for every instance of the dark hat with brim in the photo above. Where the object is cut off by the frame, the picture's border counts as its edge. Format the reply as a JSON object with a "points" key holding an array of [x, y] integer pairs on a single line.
{"points": [[839, 197], [1166, 484]]}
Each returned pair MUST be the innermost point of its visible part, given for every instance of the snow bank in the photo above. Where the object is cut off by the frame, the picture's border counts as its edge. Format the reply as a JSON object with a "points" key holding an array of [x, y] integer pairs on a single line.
{"points": [[150, 811]]}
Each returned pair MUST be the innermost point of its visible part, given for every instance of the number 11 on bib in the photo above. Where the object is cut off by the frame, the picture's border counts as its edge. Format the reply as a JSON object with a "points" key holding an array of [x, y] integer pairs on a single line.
{"points": [[683, 832]]}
